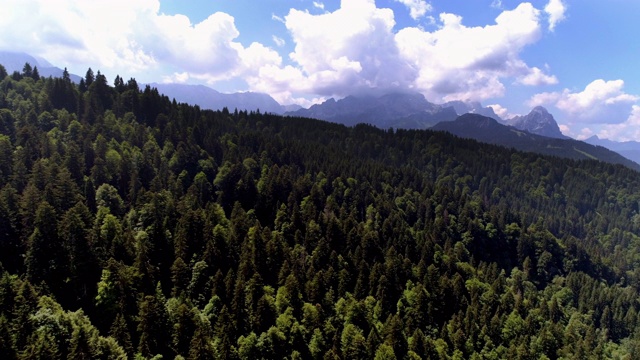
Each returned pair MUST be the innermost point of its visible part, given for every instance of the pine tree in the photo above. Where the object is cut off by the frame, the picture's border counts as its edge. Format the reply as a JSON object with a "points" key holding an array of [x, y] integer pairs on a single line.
{"points": [[89, 77], [42, 345], [200, 346], [120, 332], [25, 305], [79, 346], [46, 260], [27, 70], [7, 349], [153, 327], [35, 74]]}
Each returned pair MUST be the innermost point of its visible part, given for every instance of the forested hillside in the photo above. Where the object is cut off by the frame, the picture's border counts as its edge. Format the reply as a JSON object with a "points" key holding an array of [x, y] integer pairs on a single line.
{"points": [[132, 226]]}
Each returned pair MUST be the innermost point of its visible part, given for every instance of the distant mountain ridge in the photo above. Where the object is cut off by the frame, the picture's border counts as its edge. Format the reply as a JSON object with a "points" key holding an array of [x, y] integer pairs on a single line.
{"points": [[628, 149], [200, 95], [488, 130], [398, 110], [208, 98], [14, 61]]}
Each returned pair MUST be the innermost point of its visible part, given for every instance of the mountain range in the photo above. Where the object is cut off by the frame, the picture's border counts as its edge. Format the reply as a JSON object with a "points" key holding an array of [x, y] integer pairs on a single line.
{"points": [[200, 95], [397, 110], [537, 131]]}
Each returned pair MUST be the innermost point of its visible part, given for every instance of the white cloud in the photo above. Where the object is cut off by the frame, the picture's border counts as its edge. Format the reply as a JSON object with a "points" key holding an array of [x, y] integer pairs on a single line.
{"points": [[565, 130], [257, 55], [277, 18], [585, 133], [625, 131], [358, 55], [417, 8], [86, 31], [600, 102], [460, 62], [501, 111], [279, 41], [596, 93], [547, 98], [555, 9], [537, 78], [176, 78], [602, 108], [318, 5], [203, 48], [580, 134], [122, 36], [132, 37], [496, 4], [356, 48]]}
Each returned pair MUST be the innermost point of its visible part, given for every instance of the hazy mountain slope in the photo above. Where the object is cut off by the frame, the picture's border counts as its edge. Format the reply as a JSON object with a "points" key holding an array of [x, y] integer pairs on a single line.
{"points": [[488, 130], [628, 149], [208, 98], [14, 61]]}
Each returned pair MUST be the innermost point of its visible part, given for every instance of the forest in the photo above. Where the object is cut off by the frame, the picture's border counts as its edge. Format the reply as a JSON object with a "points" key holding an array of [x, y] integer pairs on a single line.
{"points": [[136, 227]]}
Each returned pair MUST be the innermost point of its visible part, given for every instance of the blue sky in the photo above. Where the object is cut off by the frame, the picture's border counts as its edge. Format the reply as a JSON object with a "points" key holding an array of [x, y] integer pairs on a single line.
{"points": [[575, 57]]}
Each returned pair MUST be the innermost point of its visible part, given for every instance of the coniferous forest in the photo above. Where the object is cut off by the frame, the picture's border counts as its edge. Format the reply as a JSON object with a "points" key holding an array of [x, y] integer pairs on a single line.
{"points": [[132, 226]]}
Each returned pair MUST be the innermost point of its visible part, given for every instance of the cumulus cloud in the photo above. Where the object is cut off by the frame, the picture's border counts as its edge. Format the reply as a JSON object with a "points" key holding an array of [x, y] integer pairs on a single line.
{"points": [[88, 31], [417, 8], [354, 49], [624, 131], [536, 77], [600, 102], [125, 36], [565, 130], [318, 5], [132, 37], [460, 62], [501, 111], [359, 55], [555, 9], [180, 78], [206, 47], [602, 108]]}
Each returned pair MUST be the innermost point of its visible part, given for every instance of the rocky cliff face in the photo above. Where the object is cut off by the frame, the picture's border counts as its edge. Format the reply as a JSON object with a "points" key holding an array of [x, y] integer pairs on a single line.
{"points": [[472, 107], [540, 122]]}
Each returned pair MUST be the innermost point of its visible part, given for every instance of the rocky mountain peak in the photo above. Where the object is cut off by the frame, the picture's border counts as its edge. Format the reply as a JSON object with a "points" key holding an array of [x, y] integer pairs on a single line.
{"points": [[540, 122], [540, 110]]}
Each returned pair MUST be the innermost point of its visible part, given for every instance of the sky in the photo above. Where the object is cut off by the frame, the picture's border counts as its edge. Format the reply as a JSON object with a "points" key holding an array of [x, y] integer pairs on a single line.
{"points": [[577, 58]]}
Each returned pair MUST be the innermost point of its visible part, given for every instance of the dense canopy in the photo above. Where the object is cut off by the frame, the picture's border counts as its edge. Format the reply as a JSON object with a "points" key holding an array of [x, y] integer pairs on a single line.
{"points": [[134, 226]]}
